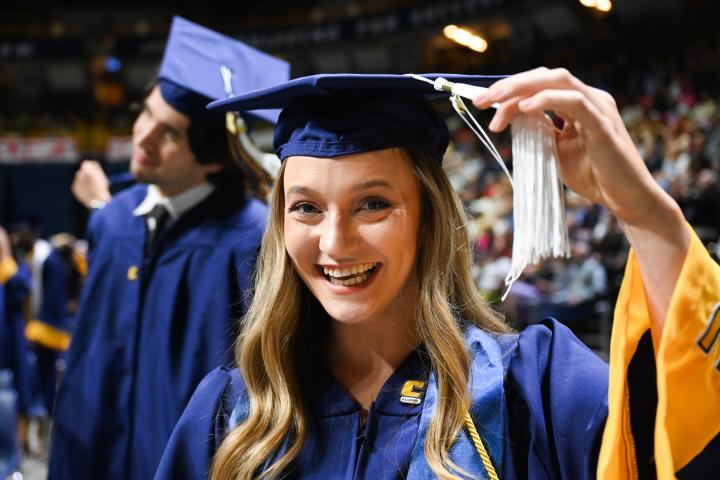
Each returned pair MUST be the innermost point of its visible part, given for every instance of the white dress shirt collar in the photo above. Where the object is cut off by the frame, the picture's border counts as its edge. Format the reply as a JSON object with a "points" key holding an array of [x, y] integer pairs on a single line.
{"points": [[176, 205]]}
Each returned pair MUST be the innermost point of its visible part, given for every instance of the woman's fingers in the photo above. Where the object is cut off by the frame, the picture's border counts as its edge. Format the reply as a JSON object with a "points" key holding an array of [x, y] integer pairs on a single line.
{"points": [[504, 114], [573, 104], [530, 83], [526, 83]]}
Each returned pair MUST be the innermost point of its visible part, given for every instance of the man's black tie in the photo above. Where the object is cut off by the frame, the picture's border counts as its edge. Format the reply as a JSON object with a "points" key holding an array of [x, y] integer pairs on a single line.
{"points": [[156, 221]]}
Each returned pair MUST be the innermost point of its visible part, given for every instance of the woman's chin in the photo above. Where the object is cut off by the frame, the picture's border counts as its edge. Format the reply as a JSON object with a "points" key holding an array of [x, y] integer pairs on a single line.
{"points": [[346, 314]]}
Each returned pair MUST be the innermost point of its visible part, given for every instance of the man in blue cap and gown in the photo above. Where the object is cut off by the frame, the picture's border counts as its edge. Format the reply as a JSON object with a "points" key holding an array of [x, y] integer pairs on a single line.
{"points": [[169, 263]]}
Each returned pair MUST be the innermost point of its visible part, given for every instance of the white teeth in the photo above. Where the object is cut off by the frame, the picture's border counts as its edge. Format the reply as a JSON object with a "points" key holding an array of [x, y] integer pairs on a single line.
{"points": [[344, 272], [350, 281]]}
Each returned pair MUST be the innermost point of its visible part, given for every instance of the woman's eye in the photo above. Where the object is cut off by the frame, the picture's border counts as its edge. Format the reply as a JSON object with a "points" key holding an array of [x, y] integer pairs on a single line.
{"points": [[374, 204], [304, 208]]}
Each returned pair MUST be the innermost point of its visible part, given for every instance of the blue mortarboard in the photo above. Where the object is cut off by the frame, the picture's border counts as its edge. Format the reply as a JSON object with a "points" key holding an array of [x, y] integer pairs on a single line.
{"points": [[331, 115], [190, 73]]}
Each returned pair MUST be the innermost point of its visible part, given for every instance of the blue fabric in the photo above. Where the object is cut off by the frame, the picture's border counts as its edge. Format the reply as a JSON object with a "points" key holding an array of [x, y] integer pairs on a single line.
{"points": [[539, 402], [380, 449], [143, 342], [487, 375], [338, 125], [557, 401], [9, 451], [13, 345], [55, 312], [190, 70], [332, 115]]}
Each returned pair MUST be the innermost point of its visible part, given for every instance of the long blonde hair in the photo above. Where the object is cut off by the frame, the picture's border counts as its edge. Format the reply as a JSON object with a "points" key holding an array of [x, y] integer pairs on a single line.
{"points": [[272, 351]]}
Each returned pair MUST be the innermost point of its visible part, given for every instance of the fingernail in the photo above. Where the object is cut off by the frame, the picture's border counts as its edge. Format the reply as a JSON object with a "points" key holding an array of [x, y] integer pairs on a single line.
{"points": [[494, 124]]}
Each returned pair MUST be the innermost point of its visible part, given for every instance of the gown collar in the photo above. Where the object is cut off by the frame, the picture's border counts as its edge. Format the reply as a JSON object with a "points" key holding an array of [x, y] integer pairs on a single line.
{"points": [[332, 400]]}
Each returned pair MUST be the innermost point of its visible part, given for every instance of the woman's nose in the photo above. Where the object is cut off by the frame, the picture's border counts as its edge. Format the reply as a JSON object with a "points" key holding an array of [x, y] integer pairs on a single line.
{"points": [[337, 235]]}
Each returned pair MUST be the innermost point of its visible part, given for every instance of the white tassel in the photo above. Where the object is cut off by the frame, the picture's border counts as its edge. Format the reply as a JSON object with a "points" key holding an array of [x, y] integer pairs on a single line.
{"points": [[540, 230]]}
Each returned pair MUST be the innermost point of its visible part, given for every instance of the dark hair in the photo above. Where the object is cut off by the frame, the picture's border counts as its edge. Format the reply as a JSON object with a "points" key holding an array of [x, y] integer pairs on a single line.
{"points": [[209, 142]]}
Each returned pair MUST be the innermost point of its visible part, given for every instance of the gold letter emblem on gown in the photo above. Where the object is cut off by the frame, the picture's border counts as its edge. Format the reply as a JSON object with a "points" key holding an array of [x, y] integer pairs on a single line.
{"points": [[132, 273], [412, 391]]}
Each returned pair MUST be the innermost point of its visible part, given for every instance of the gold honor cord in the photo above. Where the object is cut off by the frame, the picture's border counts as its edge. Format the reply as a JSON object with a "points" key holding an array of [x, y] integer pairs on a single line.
{"points": [[260, 182], [480, 447]]}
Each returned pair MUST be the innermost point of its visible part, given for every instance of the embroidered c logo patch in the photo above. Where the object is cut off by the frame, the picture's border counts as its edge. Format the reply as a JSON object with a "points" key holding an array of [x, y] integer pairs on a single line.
{"points": [[412, 392], [132, 273]]}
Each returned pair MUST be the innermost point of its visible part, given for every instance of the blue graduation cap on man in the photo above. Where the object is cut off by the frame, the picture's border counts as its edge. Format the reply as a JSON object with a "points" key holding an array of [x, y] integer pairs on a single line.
{"points": [[166, 290], [201, 65]]}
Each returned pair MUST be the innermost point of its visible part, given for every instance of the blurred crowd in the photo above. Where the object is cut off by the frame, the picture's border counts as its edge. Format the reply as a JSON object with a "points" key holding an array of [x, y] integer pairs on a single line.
{"points": [[41, 283], [674, 120]]}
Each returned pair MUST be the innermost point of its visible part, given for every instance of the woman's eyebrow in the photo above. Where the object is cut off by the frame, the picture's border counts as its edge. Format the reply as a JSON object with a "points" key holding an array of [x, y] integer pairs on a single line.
{"points": [[300, 190], [303, 190], [373, 183]]}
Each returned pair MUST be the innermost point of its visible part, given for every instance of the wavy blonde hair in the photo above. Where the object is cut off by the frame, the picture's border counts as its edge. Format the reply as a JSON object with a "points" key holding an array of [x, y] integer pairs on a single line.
{"points": [[273, 348]]}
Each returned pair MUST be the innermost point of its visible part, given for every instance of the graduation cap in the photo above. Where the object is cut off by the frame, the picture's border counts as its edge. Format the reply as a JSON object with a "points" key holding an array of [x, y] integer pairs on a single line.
{"points": [[332, 115], [200, 65]]}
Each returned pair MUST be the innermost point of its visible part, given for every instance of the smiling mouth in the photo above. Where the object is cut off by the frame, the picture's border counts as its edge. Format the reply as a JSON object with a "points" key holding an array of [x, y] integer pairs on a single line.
{"points": [[351, 276]]}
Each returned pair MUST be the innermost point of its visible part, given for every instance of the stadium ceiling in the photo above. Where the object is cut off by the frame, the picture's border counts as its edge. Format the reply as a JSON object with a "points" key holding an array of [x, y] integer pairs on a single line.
{"points": [[370, 35]]}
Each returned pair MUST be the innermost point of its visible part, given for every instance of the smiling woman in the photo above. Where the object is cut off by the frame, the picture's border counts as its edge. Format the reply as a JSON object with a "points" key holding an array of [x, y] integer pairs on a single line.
{"points": [[366, 351], [357, 211]]}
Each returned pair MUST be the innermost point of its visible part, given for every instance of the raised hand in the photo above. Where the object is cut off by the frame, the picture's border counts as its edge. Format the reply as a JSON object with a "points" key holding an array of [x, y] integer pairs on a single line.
{"points": [[91, 184], [599, 161]]}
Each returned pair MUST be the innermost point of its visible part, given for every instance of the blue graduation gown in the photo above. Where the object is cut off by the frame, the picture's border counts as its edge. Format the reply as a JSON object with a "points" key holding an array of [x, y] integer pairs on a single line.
{"points": [[149, 329], [13, 345], [49, 330], [538, 402], [539, 399]]}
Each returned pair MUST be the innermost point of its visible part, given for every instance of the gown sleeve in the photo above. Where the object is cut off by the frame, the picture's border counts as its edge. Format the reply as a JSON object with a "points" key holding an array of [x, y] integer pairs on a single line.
{"points": [[201, 428], [556, 395], [664, 420], [52, 328]]}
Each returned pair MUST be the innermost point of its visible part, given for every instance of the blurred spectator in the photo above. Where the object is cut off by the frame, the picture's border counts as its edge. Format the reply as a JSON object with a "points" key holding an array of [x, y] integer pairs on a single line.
{"points": [[702, 205], [48, 325]]}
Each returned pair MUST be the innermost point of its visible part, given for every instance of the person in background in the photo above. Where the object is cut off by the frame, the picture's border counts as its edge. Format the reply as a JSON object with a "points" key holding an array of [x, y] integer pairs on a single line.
{"points": [[49, 323], [91, 186], [170, 261], [15, 286]]}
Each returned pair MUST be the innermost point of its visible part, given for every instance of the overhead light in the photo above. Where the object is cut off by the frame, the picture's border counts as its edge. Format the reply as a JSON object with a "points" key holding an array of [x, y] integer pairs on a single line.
{"points": [[601, 5], [466, 38], [604, 5]]}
